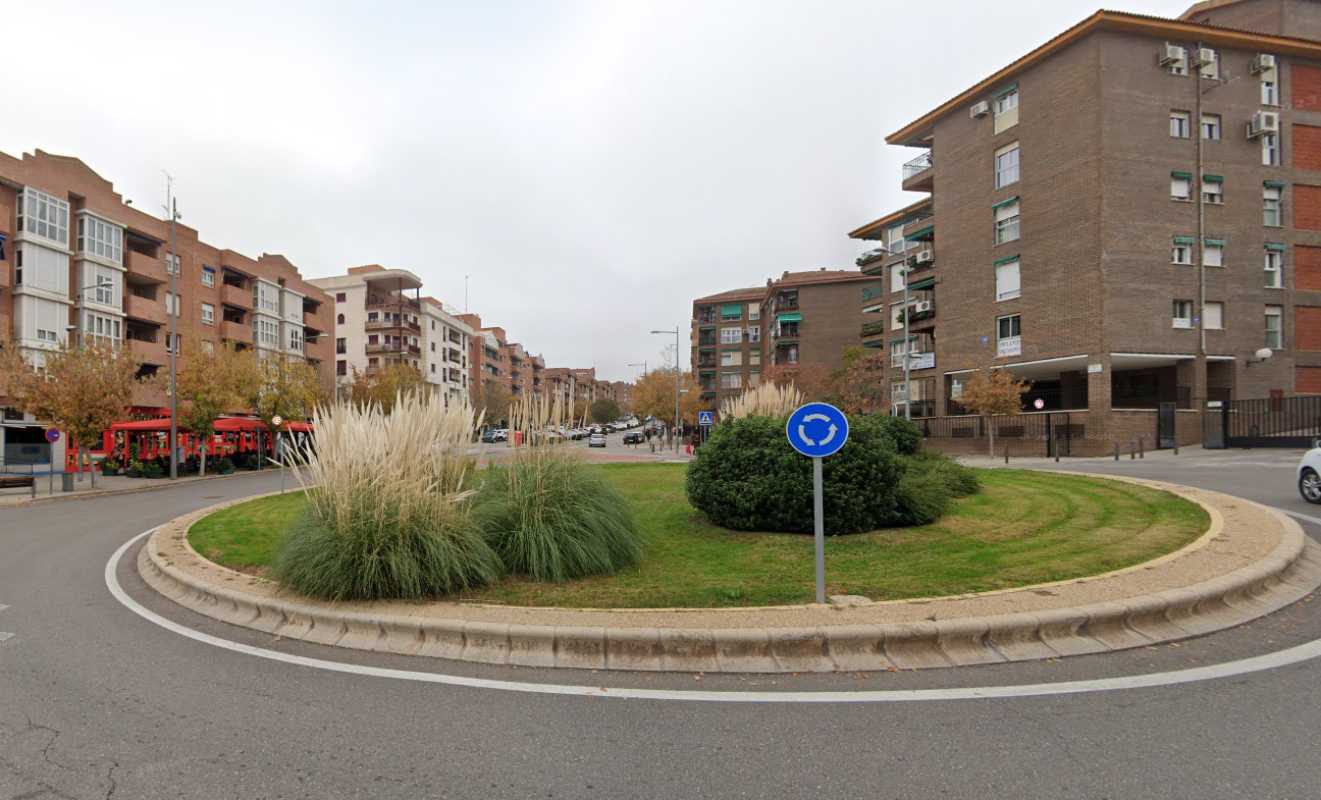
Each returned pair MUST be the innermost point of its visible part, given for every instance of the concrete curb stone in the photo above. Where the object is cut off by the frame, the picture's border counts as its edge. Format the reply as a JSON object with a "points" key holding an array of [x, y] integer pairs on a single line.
{"points": [[1288, 571]]}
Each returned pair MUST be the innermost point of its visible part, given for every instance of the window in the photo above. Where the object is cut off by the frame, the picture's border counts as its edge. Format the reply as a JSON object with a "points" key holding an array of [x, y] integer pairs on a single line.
{"points": [[754, 334], [896, 316], [897, 273], [898, 350], [1211, 127], [266, 297], [208, 314], [1275, 327], [296, 339], [1006, 221], [97, 237], [266, 333], [754, 312], [1274, 267], [173, 303], [731, 358], [1272, 215], [339, 319], [433, 369], [1213, 190], [1270, 150], [1183, 314], [1008, 336], [341, 346], [731, 335], [373, 339], [1213, 316], [171, 264], [339, 297], [1179, 123], [1182, 251], [101, 327], [341, 367], [43, 215], [731, 311], [1181, 185], [372, 316], [433, 347], [1006, 109], [1006, 165], [1213, 252], [208, 276], [1209, 65], [1270, 92], [1179, 65], [754, 358], [1007, 285], [208, 346], [894, 239], [731, 380], [178, 344]]}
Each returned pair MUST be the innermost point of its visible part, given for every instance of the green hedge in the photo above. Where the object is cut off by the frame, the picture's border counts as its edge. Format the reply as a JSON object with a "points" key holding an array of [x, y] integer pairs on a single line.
{"points": [[747, 477]]}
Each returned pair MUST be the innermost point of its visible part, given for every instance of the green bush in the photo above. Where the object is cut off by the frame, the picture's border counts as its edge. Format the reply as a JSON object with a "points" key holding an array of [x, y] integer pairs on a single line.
{"points": [[225, 465], [905, 434], [921, 497], [552, 519], [747, 477], [961, 481], [153, 469], [383, 557]]}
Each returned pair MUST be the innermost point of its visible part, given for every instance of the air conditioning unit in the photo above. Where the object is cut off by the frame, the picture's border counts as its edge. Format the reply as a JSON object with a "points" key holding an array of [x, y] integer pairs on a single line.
{"points": [[1263, 62], [1205, 55], [1170, 54], [925, 257], [921, 307], [979, 109], [1264, 122]]}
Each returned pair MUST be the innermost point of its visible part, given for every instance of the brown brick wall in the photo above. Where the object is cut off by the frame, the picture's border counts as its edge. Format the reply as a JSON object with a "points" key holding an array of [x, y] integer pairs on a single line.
{"points": [[1306, 87], [1307, 207], [1307, 380], [1307, 327], [1307, 147], [1307, 267]]}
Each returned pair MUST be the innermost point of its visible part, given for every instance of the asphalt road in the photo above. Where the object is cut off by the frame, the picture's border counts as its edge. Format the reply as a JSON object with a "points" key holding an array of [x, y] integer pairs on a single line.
{"points": [[97, 702]]}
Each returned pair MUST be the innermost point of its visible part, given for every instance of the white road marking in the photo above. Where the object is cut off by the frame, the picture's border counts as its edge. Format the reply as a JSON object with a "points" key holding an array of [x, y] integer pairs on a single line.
{"points": [[1281, 658], [1303, 517]]}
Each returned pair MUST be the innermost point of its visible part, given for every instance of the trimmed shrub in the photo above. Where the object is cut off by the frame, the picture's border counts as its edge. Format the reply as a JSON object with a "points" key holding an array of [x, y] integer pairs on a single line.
{"points": [[550, 518], [961, 481], [921, 497], [905, 434], [747, 477]]}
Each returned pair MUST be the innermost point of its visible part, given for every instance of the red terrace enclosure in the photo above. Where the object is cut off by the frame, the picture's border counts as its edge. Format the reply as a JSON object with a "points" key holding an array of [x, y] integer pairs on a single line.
{"points": [[234, 435]]}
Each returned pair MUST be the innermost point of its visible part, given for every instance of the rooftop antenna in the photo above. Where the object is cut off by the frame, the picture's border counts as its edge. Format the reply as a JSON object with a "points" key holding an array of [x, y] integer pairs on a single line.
{"points": [[465, 294]]}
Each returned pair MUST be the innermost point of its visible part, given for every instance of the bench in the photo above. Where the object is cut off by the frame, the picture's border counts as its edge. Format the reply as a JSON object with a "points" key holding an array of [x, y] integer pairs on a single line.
{"points": [[17, 481]]}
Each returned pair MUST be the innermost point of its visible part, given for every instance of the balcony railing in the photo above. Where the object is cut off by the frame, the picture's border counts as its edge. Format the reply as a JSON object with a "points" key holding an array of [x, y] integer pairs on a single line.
{"points": [[873, 328], [918, 165], [392, 324]]}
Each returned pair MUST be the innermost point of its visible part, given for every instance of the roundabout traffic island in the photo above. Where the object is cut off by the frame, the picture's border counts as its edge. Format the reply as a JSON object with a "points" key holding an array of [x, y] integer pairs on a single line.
{"points": [[1035, 565]]}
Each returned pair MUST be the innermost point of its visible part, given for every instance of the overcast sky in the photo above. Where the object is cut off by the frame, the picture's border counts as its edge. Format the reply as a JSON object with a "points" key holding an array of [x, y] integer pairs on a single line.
{"points": [[592, 166]]}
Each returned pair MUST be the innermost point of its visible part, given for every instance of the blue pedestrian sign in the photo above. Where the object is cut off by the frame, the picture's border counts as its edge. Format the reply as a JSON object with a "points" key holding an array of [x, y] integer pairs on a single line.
{"points": [[817, 430], [706, 418]]}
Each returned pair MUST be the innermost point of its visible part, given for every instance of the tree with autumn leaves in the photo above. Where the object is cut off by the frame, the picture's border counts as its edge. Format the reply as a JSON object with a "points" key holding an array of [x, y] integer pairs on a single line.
{"points": [[287, 388], [653, 396], [81, 390], [385, 385], [212, 382], [993, 391]]}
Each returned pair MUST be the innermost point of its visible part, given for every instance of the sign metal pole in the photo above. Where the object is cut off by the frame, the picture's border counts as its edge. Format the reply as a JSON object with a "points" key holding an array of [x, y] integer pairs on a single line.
{"points": [[819, 530]]}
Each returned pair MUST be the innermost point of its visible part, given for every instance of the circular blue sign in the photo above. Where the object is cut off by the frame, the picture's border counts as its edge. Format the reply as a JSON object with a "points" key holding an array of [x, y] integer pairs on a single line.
{"points": [[817, 430], [52, 435]]}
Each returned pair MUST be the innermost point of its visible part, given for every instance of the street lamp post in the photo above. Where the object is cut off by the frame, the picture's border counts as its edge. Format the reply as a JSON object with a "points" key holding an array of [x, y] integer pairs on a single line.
{"points": [[642, 364], [676, 384], [172, 267]]}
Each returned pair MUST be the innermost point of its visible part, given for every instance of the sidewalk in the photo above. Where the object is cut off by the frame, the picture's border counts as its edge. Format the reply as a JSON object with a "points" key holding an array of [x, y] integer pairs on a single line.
{"points": [[49, 487]]}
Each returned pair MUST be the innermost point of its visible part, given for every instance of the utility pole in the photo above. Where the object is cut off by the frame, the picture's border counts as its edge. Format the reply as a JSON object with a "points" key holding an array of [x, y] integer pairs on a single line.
{"points": [[676, 383], [465, 294], [172, 266]]}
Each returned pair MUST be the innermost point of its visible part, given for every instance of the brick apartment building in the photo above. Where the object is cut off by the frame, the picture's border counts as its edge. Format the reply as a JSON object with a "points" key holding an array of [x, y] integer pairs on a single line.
{"points": [[382, 319], [1077, 197], [798, 319], [78, 260]]}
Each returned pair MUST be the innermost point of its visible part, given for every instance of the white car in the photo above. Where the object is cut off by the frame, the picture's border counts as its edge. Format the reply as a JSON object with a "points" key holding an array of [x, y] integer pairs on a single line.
{"points": [[596, 440], [1309, 476]]}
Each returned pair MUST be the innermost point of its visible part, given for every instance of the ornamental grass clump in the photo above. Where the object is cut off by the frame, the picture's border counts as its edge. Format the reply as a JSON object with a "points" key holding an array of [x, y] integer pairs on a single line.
{"points": [[547, 515], [766, 400], [387, 514]]}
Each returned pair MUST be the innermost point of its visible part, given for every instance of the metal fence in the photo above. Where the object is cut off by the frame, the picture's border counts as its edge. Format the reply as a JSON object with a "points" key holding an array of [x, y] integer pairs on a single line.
{"points": [[1271, 422], [1056, 431]]}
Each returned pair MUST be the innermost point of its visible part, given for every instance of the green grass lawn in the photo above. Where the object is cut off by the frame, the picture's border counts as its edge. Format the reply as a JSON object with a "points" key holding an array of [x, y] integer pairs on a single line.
{"points": [[1023, 528]]}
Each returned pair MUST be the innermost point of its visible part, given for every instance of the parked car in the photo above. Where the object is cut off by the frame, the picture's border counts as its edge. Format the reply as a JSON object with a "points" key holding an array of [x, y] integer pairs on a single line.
{"points": [[495, 435], [1309, 476], [596, 440], [634, 437]]}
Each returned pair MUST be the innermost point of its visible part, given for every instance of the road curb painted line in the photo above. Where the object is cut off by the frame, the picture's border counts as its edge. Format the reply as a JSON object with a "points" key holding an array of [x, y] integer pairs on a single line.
{"points": [[1289, 572], [1282, 658]]}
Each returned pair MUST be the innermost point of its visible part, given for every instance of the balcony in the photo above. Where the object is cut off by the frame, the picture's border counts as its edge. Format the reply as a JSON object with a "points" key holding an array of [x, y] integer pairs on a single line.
{"points": [[785, 331], [238, 332], [873, 328], [4, 275], [144, 309], [919, 173], [872, 293], [143, 268], [387, 303], [150, 352], [921, 229], [236, 296], [920, 310], [392, 324], [922, 256]]}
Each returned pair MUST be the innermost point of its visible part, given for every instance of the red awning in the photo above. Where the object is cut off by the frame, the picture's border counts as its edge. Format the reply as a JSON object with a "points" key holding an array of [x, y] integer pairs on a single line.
{"points": [[143, 425], [239, 424]]}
